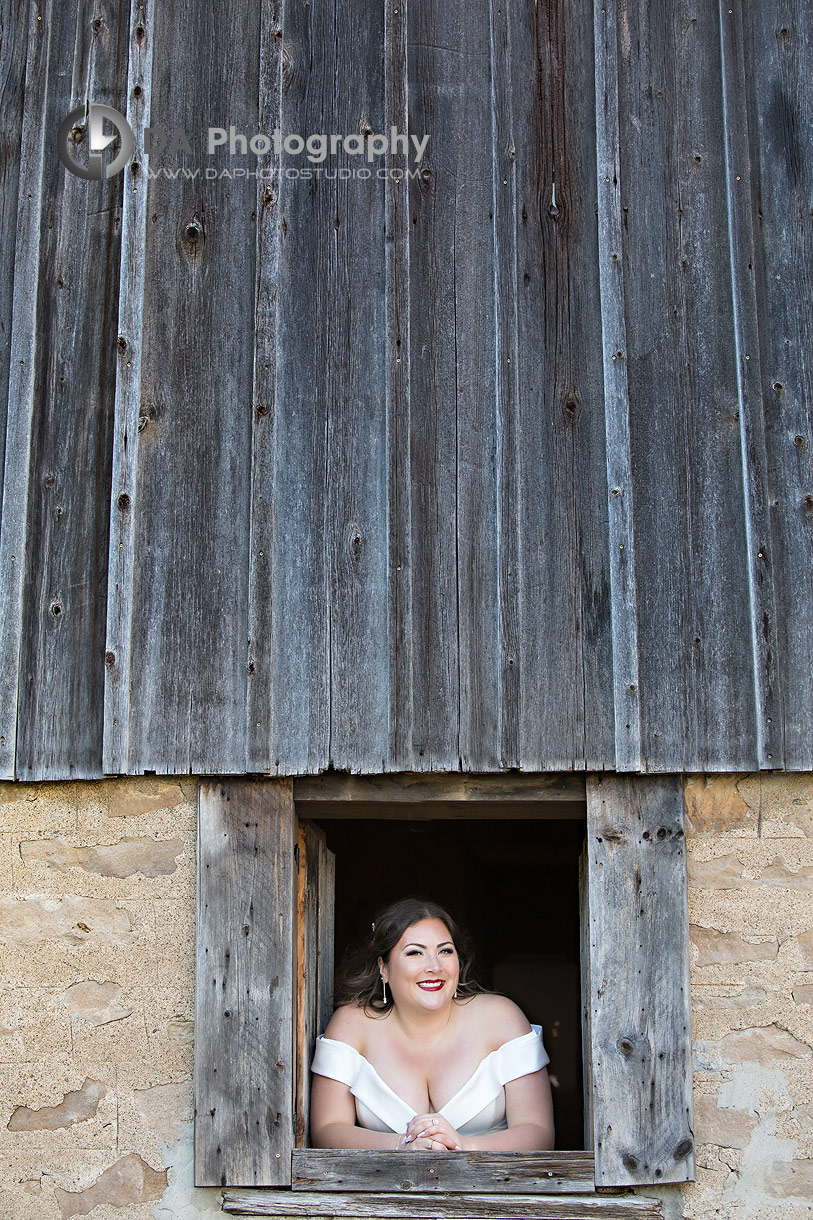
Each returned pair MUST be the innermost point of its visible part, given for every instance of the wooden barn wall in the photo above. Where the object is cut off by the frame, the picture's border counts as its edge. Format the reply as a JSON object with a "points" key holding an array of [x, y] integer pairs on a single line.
{"points": [[503, 464]]}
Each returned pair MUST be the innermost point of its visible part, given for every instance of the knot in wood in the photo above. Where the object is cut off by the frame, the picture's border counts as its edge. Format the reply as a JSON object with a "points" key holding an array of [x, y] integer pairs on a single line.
{"points": [[626, 1045], [56, 609], [193, 239], [121, 344], [123, 501], [110, 659], [354, 541], [683, 1149], [629, 1162]]}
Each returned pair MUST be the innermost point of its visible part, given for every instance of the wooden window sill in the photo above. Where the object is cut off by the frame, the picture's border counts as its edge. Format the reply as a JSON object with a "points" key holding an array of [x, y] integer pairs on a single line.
{"points": [[310, 1205], [353, 1169]]}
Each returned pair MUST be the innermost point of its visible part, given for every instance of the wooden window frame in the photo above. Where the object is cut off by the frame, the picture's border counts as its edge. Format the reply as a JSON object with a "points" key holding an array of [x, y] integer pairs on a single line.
{"points": [[633, 882]]}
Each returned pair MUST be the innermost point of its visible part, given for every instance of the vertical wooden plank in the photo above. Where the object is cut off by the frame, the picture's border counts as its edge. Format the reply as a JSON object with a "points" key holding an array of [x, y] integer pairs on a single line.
{"points": [[586, 994], [326, 903], [244, 1045], [191, 506], [398, 371], [435, 91], [779, 100], [353, 346], [314, 973], [61, 656], [263, 515], [22, 344], [328, 474], [467, 154], [563, 570], [623, 593], [14, 34], [639, 980], [299, 662], [695, 657], [127, 418], [767, 689], [307, 931], [507, 24]]}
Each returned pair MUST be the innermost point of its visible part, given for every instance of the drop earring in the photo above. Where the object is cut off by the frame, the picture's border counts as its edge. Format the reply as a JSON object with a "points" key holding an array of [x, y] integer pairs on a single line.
{"points": [[384, 988]]}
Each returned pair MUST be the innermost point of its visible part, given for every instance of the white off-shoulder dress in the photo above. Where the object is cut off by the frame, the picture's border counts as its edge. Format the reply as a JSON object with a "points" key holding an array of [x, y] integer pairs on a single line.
{"points": [[477, 1107]]}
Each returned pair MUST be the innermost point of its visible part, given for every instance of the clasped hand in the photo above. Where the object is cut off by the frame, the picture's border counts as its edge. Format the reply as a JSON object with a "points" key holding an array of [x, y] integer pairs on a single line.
{"points": [[431, 1133]]}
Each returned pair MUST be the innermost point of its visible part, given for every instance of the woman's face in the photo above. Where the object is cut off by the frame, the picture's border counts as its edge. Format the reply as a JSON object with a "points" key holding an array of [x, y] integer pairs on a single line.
{"points": [[423, 968]]}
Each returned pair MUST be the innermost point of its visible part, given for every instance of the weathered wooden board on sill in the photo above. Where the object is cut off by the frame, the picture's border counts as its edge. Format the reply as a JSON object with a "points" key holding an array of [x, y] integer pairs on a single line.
{"points": [[640, 1019], [348, 1169], [244, 1080], [308, 1206]]}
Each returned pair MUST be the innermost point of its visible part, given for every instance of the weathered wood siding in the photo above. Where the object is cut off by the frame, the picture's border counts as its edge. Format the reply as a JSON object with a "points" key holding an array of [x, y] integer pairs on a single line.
{"points": [[244, 1023], [638, 1021], [505, 464]]}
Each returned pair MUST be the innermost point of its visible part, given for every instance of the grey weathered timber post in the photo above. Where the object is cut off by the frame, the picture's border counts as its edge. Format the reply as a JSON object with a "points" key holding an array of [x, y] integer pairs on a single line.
{"points": [[638, 1006], [244, 1058]]}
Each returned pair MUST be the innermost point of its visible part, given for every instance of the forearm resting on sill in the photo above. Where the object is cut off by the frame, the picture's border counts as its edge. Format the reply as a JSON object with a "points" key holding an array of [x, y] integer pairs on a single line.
{"points": [[525, 1137], [347, 1135]]}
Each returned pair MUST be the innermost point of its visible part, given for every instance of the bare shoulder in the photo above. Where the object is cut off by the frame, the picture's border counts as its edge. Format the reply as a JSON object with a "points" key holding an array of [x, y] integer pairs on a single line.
{"points": [[499, 1018], [348, 1025]]}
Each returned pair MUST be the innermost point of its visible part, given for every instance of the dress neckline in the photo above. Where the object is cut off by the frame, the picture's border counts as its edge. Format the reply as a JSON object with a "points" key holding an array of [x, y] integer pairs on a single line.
{"points": [[467, 1084]]}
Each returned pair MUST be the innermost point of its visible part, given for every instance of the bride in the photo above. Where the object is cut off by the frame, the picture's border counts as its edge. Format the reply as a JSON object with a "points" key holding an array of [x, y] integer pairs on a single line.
{"points": [[417, 1056]]}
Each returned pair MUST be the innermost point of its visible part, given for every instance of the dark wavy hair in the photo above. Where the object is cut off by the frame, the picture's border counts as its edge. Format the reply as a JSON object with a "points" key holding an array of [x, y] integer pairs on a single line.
{"points": [[359, 978]]}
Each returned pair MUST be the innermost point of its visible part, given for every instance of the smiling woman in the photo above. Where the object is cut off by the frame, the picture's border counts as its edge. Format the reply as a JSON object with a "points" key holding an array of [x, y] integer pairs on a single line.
{"points": [[418, 1056]]}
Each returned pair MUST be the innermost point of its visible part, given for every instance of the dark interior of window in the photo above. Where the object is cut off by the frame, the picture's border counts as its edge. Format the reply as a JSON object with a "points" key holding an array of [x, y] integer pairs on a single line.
{"points": [[513, 883]]}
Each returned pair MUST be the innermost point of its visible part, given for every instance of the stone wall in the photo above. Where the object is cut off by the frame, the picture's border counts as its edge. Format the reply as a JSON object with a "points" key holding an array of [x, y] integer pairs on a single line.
{"points": [[750, 841], [97, 935], [97, 927]]}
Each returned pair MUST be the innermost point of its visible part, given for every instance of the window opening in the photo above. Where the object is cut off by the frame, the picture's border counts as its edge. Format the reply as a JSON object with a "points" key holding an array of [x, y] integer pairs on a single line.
{"points": [[513, 883]]}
